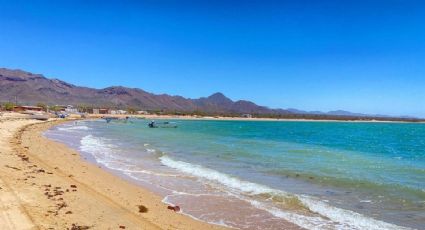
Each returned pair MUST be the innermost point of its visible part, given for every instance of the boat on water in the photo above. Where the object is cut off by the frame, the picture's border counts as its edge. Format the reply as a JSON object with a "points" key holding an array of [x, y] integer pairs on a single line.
{"points": [[118, 119], [165, 124]]}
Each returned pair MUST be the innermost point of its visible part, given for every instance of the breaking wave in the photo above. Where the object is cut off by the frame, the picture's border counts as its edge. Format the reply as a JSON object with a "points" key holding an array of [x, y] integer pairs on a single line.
{"points": [[72, 128], [320, 214]]}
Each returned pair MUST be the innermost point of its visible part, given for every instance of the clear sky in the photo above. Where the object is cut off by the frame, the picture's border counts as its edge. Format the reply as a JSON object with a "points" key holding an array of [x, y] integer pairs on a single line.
{"points": [[361, 56]]}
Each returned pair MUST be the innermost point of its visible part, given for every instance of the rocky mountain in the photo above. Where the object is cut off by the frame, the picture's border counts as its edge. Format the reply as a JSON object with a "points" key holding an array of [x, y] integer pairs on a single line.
{"points": [[29, 88]]}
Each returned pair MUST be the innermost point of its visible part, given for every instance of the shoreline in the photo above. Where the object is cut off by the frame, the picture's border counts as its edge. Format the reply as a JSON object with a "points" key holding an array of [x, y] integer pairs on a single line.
{"points": [[55, 187], [286, 224], [39, 177], [209, 118]]}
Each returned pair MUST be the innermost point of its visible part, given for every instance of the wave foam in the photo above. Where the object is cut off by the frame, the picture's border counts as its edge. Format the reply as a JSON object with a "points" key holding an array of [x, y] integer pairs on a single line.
{"points": [[327, 217], [72, 128], [209, 174], [98, 147], [330, 217]]}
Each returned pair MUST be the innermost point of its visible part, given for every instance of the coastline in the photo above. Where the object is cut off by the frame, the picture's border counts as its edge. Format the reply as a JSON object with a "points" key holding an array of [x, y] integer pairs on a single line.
{"points": [[209, 118], [46, 184], [52, 186]]}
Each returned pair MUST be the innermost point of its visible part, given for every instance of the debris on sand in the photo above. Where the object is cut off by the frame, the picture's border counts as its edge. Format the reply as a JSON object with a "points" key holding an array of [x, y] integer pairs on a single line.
{"points": [[174, 208], [11, 167], [61, 205], [142, 209], [78, 227]]}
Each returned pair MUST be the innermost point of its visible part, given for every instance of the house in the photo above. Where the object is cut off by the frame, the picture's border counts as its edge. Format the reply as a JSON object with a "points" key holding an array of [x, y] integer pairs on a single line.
{"points": [[26, 108], [247, 115], [71, 109], [117, 112], [60, 107], [101, 111], [142, 112]]}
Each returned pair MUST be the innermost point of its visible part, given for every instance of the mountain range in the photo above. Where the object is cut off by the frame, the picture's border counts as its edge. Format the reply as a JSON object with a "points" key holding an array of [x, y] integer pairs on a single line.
{"points": [[30, 89]]}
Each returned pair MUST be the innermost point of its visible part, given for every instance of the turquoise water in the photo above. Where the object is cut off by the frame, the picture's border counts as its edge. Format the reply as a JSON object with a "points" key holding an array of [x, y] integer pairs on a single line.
{"points": [[329, 175]]}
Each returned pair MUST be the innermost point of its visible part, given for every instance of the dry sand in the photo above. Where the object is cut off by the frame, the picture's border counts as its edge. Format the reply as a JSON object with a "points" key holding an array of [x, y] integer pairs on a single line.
{"points": [[45, 185]]}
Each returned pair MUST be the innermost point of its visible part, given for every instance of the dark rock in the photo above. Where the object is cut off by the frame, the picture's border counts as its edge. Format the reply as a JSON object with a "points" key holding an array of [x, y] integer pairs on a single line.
{"points": [[174, 208], [142, 209], [79, 227]]}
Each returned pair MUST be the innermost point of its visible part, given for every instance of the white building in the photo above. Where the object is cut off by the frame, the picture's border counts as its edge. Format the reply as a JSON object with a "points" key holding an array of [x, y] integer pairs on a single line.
{"points": [[71, 109], [117, 112], [142, 112], [247, 115]]}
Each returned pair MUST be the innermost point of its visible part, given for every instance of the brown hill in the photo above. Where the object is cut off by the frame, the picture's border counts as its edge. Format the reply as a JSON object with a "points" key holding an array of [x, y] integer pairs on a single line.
{"points": [[33, 88]]}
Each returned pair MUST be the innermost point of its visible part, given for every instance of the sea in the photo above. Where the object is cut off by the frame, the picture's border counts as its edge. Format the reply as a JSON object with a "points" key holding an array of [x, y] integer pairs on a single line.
{"points": [[266, 174]]}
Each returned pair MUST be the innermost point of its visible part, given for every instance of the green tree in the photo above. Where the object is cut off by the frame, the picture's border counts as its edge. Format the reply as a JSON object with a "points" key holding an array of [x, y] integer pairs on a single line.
{"points": [[131, 110], [83, 108], [54, 108], [8, 106], [42, 105]]}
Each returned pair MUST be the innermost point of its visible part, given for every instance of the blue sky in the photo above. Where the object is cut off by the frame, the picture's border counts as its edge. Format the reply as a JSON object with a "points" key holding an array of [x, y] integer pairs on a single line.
{"points": [[361, 56]]}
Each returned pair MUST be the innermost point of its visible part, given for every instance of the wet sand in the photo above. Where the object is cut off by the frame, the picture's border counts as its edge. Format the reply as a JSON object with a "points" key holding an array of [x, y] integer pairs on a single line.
{"points": [[46, 185]]}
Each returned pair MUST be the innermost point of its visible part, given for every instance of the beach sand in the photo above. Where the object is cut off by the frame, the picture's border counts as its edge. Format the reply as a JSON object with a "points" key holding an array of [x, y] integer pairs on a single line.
{"points": [[46, 185]]}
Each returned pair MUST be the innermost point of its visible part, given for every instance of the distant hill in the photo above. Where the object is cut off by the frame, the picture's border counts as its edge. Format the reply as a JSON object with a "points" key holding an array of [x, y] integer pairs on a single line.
{"points": [[336, 113], [32, 88]]}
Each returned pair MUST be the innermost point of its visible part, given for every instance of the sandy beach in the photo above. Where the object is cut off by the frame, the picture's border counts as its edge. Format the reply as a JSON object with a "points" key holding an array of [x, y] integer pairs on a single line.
{"points": [[45, 185]]}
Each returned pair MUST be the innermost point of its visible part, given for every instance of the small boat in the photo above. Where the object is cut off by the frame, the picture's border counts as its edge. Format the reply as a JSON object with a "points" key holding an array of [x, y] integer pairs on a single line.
{"points": [[117, 119], [40, 117], [165, 124], [109, 119]]}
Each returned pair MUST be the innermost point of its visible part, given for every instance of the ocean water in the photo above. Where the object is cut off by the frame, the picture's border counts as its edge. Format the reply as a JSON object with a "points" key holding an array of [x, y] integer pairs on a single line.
{"points": [[266, 174]]}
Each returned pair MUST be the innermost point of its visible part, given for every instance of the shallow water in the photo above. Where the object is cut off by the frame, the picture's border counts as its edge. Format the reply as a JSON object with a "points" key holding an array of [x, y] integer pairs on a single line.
{"points": [[261, 175]]}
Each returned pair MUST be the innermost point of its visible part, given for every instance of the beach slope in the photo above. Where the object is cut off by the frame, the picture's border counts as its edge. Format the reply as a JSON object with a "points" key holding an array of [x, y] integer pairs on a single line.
{"points": [[45, 185]]}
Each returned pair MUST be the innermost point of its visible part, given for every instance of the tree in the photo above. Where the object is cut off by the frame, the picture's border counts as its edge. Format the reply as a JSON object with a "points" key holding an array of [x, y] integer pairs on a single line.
{"points": [[42, 105], [131, 110], [8, 106], [54, 108], [83, 108]]}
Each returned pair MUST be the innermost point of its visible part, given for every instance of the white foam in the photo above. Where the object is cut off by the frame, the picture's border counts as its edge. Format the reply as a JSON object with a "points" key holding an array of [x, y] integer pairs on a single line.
{"points": [[219, 222], [105, 153], [99, 148], [349, 219], [149, 172], [330, 217], [209, 174], [72, 128]]}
